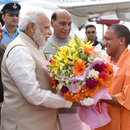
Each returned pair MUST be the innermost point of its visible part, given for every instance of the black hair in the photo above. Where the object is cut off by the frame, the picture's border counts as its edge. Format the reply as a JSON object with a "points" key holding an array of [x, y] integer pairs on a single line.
{"points": [[121, 31], [90, 26], [54, 16], [1, 20]]}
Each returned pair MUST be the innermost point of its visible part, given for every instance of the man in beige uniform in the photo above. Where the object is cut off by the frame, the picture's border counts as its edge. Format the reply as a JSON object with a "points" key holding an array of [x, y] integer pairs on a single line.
{"points": [[28, 102]]}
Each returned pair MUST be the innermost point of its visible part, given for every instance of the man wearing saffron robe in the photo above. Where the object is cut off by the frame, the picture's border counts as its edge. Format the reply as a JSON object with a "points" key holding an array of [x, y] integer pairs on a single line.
{"points": [[116, 41]]}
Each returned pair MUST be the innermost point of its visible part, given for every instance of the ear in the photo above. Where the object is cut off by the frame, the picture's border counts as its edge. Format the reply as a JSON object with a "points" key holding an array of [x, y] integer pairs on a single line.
{"points": [[122, 40], [52, 22], [31, 27], [3, 17]]}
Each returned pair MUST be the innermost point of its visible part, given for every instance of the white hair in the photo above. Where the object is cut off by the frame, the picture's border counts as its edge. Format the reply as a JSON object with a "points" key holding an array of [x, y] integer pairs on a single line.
{"points": [[30, 16]]}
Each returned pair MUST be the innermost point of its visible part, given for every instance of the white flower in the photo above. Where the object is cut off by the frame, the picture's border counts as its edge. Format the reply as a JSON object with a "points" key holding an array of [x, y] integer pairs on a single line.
{"points": [[92, 74], [88, 101], [98, 48], [100, 53]]}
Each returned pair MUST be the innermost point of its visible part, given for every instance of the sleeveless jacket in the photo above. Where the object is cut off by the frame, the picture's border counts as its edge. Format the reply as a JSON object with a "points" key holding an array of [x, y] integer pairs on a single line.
{"points": [[17, 112]]}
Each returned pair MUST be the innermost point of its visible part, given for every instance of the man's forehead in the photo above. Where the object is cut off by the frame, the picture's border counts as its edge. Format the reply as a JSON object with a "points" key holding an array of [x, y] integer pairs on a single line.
{"points": [[64, 19], [110, 33], [63, 15], [91, 28]]}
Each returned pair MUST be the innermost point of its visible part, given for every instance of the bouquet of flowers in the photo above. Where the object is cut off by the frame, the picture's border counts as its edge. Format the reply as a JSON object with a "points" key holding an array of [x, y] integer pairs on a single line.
{"points": [[81, 73], [79, 70]]}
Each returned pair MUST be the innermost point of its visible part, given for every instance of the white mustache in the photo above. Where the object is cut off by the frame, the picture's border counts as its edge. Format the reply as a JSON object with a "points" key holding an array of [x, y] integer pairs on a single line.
{"points": [[47, 37]]}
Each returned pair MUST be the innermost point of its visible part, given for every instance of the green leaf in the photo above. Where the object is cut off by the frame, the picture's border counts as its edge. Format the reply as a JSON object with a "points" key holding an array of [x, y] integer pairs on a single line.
{"points": [[57, 48], [50, 65], [46, 52]]}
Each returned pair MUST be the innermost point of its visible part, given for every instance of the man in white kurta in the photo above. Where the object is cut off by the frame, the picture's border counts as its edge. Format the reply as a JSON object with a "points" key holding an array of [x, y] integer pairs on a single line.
{"points": [[29, 103]]}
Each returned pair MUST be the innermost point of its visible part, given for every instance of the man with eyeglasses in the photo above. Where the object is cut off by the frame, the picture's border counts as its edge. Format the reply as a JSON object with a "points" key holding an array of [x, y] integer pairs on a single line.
{"points": [[10, 16], [90, 31]]}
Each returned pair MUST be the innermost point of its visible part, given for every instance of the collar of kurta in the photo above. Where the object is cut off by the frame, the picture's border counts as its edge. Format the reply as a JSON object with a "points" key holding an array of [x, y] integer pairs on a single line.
{"points": [[26, 38]]}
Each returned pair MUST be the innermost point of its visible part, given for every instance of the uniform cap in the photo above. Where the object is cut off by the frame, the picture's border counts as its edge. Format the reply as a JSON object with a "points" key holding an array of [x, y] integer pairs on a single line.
{"points": [[12, 8]]}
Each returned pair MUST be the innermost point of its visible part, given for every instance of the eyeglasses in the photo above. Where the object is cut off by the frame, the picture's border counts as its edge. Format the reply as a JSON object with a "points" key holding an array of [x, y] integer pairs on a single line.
{"points": [[91, 32]]}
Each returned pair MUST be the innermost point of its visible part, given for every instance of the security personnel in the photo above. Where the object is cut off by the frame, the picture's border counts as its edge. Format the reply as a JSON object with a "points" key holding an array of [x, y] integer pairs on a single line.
{"points": [[90, 31], [10, 16]]}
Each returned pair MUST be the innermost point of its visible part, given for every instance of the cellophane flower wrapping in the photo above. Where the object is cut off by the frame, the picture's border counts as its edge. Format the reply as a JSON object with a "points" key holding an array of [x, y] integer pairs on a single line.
{"points": [[81, 72]]}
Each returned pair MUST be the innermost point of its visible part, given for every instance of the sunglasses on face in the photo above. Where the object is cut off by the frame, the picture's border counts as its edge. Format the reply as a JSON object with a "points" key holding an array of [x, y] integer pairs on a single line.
{"points": [[91, 32]]}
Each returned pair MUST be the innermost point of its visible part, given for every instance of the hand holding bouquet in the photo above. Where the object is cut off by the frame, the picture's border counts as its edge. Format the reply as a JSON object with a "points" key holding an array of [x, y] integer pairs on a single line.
{"points": [[79, 70]]}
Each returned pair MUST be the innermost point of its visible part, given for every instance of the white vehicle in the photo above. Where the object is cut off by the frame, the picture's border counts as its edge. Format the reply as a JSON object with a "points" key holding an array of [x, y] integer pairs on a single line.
{"points": [[81, 10]]}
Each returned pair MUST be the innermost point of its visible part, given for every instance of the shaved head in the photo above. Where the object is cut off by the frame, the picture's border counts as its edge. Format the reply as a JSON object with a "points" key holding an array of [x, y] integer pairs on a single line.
{"points": [[61, 23], [60, 12]]}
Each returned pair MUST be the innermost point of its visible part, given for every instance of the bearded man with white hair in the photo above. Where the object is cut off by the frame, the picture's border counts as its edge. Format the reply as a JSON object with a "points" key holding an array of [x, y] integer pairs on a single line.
{"points": [[29, 103]]}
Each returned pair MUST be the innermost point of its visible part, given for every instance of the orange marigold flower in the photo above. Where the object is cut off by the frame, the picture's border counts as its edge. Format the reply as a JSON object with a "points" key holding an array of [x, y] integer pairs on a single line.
{"points": [[82, 96], [89, 50], [79, 68], [110, 69], [85, 91], [109, 81], [100, 81], [92, 92], [53, 81], [75, 98], [68, 96]]}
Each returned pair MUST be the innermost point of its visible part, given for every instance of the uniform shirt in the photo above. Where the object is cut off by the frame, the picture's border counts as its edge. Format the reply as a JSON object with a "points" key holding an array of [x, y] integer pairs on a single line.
{"points": [[97, 42], [27, 73], [7, 38]]}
